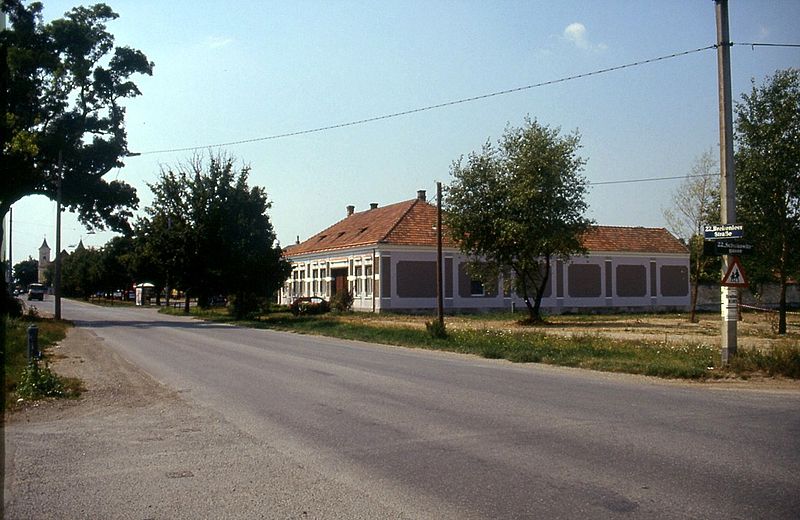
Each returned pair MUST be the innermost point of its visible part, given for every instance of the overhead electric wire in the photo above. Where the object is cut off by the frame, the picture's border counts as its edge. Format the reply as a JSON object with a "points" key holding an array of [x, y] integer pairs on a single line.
{"points": [[436, 106], [759, 44], [464, 100], [646, 179]]}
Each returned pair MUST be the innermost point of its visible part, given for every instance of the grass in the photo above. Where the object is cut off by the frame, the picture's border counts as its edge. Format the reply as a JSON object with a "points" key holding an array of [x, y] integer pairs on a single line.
{"points": [[23, 381], [666, 359]]}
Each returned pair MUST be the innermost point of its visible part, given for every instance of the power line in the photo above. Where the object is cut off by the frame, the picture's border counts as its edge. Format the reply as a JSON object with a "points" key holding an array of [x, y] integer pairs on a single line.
{"points": [[759, 44], [436, 106], [646, 179]]}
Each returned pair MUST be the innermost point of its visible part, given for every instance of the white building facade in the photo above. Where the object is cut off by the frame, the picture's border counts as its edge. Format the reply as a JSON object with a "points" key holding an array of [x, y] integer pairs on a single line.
{"points": [[386, 258]]}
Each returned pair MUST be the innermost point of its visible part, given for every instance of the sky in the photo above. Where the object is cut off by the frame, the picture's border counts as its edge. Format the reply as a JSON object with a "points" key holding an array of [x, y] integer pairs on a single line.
{"points": [[251, 70]]}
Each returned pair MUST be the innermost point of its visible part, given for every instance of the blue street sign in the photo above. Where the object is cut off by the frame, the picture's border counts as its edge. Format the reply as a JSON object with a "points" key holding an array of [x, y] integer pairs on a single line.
{"points": [[723, 231]]}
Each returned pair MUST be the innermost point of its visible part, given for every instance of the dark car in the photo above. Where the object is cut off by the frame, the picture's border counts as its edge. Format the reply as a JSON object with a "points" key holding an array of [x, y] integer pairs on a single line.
{"points": [[309, 305], [36, 291]]}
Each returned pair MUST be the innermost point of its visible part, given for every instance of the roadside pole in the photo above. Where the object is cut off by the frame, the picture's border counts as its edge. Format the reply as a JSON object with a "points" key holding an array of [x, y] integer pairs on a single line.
{"points": [[729, 295], [57, 274], [439, 291]]}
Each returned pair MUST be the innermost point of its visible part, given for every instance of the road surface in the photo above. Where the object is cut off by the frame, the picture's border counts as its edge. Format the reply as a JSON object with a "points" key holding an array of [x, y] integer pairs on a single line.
{"points": [[309, 427]]}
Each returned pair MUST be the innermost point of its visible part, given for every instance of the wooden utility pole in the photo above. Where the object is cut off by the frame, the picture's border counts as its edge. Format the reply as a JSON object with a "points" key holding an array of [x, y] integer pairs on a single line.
{"points": [[729, 295], [439, 295], [57, 275]]}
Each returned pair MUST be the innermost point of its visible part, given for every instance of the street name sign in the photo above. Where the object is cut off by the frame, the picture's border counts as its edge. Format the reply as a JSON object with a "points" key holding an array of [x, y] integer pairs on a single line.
{"points": [[723, 231], [726, 247]]}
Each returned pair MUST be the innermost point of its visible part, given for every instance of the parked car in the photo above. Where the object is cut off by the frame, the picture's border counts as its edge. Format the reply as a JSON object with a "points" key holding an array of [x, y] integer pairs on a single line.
{"points": [[218, 301], [309, 305], [36, 291]]}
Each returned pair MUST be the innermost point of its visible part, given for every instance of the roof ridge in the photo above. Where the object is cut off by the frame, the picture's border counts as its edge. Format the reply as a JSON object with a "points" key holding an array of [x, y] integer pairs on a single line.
{"points": [[397, 222]]}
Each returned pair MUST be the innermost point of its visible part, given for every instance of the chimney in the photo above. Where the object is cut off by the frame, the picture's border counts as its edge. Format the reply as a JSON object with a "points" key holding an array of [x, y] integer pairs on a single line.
{"points": [[373, 205], [421, 195], [350, 210]]}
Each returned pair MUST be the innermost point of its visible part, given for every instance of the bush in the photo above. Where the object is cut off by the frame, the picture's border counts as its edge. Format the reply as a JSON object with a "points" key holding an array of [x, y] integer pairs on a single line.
{"points": [[436, 329], [782, 360], [246, 305], [39, 382], [342, 301], [10, 306]]}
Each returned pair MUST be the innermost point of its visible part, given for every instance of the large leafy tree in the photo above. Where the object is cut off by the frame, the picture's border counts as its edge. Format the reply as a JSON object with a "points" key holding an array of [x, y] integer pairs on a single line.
{"points": [[768, 179], [209, 233], [696, 202], [517, 206], [61, 88], [26, 272], [83, 273]]}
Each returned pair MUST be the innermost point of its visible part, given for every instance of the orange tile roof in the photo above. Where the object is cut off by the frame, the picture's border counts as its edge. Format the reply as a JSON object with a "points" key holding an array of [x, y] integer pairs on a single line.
{"points": [[632, 240], [405, 223], [413, 222]]}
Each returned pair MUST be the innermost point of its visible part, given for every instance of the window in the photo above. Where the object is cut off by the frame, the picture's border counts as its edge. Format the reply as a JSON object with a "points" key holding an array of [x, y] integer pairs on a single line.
{"points": [[359, 280], [476, 288], [368, 279], [302, 284]]}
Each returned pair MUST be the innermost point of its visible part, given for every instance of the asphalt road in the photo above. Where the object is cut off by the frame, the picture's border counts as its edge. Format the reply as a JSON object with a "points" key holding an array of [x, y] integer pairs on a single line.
{"points": [[437, 435]]}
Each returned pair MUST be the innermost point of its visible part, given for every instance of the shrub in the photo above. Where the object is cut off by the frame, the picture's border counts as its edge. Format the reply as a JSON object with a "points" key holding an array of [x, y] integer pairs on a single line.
{"points": [[39, 382], [342, 301], [10, 306], [246, 305], [436, 329], [782, 360]]}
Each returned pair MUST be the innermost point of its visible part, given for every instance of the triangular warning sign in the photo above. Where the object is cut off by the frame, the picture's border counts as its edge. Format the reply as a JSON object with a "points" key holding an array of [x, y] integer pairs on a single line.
{"points": [[735, 276]]}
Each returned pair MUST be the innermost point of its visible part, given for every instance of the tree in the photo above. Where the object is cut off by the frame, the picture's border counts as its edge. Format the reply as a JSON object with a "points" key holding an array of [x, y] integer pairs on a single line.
{"points": [[516, 207], [26, 272], [211, 233], [768, 180], [82, 274], [694, 203], [117, 264], [61, 88]]}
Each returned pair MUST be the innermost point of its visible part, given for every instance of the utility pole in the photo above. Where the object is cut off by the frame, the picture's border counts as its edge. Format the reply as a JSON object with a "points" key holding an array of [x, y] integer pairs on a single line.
{"points": [[729, 295], [57, 276], [439, 295], [11, 247]]}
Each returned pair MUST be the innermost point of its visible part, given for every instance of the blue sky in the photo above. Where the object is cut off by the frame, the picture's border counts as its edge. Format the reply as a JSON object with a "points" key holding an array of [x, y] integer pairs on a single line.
{"points": [[244, 70]]}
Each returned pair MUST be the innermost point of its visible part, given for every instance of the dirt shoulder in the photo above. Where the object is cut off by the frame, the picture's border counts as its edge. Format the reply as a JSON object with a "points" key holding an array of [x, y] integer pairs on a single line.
{"points": [[110, 382]]}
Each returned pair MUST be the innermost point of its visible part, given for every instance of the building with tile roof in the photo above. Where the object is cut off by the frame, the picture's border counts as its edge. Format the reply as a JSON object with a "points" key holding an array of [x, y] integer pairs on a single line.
{"points": [[386, 257]]}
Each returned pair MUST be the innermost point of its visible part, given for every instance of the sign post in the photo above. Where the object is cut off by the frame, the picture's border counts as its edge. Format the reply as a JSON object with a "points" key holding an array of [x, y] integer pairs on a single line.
{"points": [[725, 240], [727, 184]]}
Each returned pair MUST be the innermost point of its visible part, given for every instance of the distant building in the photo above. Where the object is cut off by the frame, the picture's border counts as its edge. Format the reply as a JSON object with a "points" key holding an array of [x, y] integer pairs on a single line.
{"points": [[44, 260], [386, 257]]}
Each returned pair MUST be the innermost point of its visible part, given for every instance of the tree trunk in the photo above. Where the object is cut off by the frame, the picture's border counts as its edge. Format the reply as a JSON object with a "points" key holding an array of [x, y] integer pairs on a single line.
{"points": [[6, 300], [782, 308], [186, 302], [537, 315], [693, 304]]}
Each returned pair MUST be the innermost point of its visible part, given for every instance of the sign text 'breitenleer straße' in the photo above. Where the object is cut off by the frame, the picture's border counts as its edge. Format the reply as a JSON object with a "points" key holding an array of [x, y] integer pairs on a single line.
{"points": [[723, 231]]}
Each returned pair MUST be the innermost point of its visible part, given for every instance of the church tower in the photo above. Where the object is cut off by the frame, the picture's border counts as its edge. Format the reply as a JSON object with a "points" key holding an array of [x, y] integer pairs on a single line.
{"points": [[44, 259]]}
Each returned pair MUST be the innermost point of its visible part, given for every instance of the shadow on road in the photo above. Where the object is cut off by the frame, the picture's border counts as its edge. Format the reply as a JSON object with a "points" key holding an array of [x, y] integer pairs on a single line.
{"points": [[150, 324]]}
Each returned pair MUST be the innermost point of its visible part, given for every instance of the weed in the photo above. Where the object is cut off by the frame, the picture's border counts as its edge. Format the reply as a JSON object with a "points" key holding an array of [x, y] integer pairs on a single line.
{"points": [[39, 382], [20, 378], [436, 329]]}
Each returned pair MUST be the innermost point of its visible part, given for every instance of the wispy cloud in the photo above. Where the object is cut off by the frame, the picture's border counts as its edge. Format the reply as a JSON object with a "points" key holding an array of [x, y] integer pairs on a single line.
{"points": [[216, 42], [575, 33]]}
